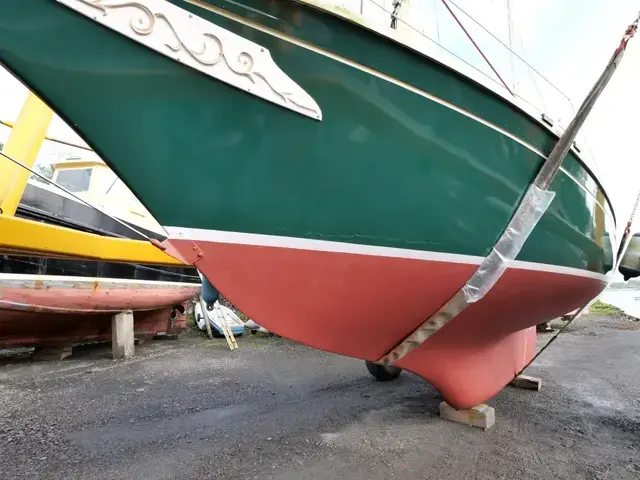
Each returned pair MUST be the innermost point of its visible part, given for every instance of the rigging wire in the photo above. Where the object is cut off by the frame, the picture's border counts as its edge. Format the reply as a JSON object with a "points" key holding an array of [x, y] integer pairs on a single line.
{"points": [[540, 96], [436, 17], [535, 84], [583, 140], [441, 46], [510, 27], [42, 177], [507, 47], [476, 46], [425, 36]]}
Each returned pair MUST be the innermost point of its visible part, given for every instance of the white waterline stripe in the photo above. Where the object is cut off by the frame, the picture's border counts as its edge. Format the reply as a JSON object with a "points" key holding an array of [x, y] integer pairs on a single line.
{"points": [[56, 280], [375, 73], [260, 240], [546, 267]]}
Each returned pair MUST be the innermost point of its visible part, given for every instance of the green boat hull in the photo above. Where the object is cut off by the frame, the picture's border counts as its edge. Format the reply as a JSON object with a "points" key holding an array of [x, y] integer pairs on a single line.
{"points": [[319, 229], [370, 172]]}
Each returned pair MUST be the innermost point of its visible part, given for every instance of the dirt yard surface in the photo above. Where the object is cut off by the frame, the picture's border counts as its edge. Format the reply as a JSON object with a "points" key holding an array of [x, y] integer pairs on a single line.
{"points": [[191, 409]]}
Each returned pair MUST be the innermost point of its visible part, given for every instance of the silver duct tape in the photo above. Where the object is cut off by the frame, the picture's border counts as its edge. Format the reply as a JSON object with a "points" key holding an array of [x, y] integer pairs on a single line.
{"points": [[535, 202], [438, 320]]}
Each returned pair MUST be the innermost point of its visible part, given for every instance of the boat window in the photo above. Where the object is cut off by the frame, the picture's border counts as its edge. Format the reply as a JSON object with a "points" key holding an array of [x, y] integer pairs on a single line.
{"points": [[76, 180]]}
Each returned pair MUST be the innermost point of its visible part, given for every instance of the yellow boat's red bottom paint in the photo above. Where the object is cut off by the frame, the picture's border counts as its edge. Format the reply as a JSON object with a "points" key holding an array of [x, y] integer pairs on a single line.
{"points": [[77, 295], [363, 305], [29, 329]]}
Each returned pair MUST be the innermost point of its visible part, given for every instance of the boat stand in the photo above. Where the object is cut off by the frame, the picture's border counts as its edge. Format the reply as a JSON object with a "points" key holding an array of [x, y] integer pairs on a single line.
{"points": [[481, 416], [527, 383], [122, 340]]}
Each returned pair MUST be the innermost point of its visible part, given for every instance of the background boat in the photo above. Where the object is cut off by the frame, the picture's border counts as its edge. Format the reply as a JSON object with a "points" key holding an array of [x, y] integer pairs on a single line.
{"points": [[53, 300]]}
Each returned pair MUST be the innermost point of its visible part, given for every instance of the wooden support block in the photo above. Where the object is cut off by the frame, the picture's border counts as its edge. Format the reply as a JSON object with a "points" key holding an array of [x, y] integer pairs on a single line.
{"points": [[526, 382], [122, 341], [481, 416]]}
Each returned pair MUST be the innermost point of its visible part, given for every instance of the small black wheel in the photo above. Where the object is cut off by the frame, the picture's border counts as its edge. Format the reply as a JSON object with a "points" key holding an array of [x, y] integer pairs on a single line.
{"points": [[383, 373], [200, 319]]}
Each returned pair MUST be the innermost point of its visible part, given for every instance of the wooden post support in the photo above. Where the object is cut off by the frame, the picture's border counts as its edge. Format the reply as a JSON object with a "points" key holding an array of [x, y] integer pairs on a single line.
{"points": [[481, 416], [122, 341], [526, 382]]}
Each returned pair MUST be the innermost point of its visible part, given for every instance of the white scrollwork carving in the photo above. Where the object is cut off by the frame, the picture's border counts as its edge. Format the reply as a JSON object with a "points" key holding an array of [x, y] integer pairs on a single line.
{"points": [[249, 60], [139, 26]]}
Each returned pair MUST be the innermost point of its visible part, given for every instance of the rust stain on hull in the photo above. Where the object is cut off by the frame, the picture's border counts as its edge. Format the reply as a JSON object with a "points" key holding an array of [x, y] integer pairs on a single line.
{"points": [[90, 296]]}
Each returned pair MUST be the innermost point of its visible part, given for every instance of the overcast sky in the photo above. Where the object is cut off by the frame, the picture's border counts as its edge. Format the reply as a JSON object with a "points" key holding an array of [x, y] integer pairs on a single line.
{"points": [[570, 41]]}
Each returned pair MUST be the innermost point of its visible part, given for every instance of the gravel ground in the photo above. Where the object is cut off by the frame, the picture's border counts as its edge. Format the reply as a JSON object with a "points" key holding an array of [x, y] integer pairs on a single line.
{"points": [[191, 409]]}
